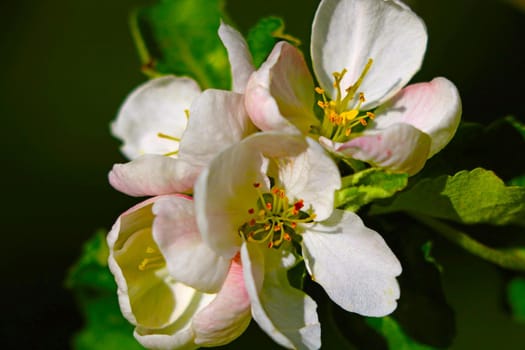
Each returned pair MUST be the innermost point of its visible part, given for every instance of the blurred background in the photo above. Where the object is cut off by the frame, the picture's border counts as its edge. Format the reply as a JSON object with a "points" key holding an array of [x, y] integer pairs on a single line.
{"points": [[68, 65]]}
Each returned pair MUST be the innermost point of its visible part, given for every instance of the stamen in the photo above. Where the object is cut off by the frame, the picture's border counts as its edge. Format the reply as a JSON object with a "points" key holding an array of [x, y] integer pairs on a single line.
{"points": [[150, 263], [168, 137], [169, 154]]}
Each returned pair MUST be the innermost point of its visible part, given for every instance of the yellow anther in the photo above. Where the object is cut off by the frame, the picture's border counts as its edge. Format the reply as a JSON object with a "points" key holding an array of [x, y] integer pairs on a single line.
{"points": [[361, 97], [150, 263], [187, 113], [370, 115], [350, 115], [319, 90]]}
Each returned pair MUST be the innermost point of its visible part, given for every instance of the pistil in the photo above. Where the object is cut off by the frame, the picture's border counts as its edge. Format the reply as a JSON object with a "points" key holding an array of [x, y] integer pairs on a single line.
{"points": [[274, 219], [339, 119]]}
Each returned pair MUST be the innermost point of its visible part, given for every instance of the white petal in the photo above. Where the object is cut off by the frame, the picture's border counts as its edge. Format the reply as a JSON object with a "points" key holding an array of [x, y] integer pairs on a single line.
{"points": [[280, 94], [224, 192], [189, 260], [179, 334], [353, 264], [228, 315], [151, 175], [346, 33], [148, 296], [218, 119], [239, 55], [399, 148], [156, 106], [286, 314], [434, 108], [313, 177]]}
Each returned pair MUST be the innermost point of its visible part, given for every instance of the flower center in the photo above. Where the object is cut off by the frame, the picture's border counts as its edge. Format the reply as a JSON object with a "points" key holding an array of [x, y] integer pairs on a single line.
{"points": [[339, 118], [274, 219], [152, 260], [173, 138]]}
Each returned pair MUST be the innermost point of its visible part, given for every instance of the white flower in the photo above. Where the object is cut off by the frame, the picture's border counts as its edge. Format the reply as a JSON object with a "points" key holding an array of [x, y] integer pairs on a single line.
{"points": [[163, 289], [271, 197], [171, 129], [363, 53]]}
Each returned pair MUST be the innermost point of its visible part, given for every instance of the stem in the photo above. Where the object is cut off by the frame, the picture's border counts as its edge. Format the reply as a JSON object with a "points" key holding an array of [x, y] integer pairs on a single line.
{"points": [[509, 260], [142, 50]]}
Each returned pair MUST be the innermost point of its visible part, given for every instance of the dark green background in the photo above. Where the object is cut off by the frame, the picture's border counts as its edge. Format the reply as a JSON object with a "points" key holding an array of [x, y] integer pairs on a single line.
{"points": [[67, 65]]}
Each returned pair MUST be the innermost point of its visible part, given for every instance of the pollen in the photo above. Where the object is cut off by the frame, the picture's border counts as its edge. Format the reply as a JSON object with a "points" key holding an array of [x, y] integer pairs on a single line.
{"points": [[275, 219], [343, 112]]}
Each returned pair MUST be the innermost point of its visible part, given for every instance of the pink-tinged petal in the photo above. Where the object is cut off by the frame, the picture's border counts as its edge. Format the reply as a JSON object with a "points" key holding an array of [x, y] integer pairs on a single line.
{"points": [[313, 177], [239, 56], [179, 334], [218, 119], [225, 192], [151, 175], [353, 264], [399, 148], [156, 106], [189, 260], [286, 314], [280, 94], [434, 108], [148, 296], [228, 315], [346, 33]]}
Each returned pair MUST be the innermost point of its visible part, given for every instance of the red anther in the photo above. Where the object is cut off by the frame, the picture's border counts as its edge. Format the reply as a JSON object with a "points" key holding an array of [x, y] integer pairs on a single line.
{"points": [[251, 211], [275, 190], [256, 184], [281, 194], [287, 237], [269, 206], [252, 222], [298, 205], [293, 225], [270, 244], [277, 228]]}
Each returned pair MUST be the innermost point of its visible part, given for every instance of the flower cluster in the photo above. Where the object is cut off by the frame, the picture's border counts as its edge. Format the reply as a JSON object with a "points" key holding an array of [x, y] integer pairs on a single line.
{"points": [[242, 182]]}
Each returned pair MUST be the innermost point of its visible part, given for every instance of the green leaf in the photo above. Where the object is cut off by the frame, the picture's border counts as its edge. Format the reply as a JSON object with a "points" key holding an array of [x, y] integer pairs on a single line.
{"points": [[394, 335], [516, 298], [96, 293], [478, 146], [264, 35], [105, 328], [180, 37], [469, 197], [517, 181], [365, 186], [91, 270], [423, 311]]}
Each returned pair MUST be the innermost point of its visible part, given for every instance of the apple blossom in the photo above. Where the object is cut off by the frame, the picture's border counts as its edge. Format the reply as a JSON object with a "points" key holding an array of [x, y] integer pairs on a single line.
{"points": [[271, 198], [171, 129], [363, 53], [159, 290]]}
